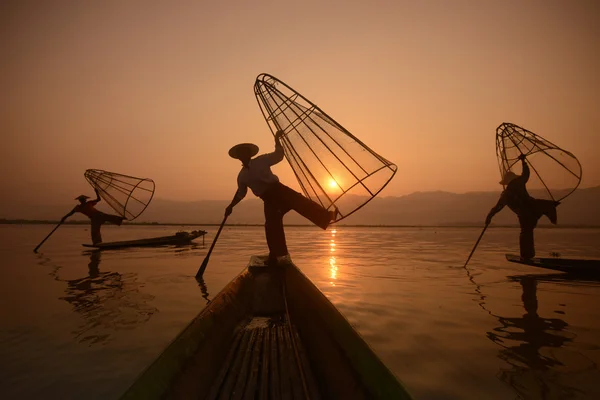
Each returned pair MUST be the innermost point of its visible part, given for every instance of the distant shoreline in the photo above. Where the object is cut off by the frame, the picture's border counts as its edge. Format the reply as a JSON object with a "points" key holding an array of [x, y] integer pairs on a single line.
{"points": [[4, 221]]}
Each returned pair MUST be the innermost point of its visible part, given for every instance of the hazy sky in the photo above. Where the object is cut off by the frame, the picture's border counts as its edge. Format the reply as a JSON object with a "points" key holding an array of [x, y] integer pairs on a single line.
{"points": [[164, 89]]}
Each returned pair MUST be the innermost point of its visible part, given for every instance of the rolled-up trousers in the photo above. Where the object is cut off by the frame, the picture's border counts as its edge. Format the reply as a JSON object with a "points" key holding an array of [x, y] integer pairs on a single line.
{"points": [[279, 199], [97, 221]]}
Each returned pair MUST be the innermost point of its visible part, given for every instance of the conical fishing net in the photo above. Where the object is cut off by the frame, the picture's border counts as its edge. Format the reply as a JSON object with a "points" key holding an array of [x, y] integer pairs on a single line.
{"points": [[333, 167], [554, 172], [127, 195]]}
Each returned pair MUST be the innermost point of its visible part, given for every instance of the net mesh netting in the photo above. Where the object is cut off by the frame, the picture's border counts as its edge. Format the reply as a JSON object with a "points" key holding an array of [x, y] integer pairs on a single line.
{"points": [[127, 195], [554, 172], [333, 167]]}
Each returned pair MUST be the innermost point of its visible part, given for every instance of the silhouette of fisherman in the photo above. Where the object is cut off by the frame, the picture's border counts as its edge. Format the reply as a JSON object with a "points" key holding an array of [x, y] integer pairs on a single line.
{"points": [[97, 218], [528, 209], [278, 198]]}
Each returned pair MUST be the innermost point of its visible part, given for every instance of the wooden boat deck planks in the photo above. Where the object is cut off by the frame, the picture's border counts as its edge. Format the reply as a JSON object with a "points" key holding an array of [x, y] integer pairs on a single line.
{"points": [[269, 334]]}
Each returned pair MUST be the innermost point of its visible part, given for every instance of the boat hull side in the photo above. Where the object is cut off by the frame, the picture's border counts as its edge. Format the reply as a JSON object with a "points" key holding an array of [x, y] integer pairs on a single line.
{"points": [[344, 364], [198, 348]]}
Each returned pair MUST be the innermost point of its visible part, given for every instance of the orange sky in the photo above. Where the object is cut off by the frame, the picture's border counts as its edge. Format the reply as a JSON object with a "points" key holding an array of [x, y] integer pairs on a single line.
{"points": [[164, 89]]}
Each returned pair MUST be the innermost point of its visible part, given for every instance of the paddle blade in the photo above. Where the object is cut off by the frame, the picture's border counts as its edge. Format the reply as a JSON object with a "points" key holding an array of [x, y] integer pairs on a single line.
{"points": [[476, 244], [212, 246], [202, 267], [46, 238]]}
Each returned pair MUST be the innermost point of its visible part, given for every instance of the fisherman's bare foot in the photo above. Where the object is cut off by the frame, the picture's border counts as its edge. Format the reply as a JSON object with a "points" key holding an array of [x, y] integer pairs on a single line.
{"points": [[274, 261], [286, 259]]}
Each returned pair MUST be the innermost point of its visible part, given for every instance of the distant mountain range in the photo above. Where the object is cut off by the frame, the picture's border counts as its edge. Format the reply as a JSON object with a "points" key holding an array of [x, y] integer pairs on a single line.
{"points": [[416, 209]]}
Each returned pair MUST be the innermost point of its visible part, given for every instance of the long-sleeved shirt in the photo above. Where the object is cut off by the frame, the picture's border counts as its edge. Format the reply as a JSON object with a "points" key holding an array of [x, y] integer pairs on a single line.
{"points": [[86, 209], [258, 175], [515, 196]]}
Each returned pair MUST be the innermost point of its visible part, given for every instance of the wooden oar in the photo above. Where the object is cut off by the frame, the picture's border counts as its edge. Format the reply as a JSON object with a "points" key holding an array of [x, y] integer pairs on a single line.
{"points": [[205, 262], [46, 238], [476, 243]]}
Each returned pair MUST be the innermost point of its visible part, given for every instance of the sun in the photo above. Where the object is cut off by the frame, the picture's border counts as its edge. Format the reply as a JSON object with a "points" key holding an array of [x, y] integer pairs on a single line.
{"points": [[333, 184]]}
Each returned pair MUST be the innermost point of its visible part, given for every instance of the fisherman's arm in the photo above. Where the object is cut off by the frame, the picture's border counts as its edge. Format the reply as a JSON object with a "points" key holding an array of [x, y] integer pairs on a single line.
{"points": [[276, 156], [97, 196], [239, 196], [73, 211], [496, 209], [525, 168]]}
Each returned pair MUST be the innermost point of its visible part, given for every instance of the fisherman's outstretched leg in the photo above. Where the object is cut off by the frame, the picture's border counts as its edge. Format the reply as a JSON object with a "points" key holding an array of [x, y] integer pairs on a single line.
{"points": [[113, 219], [274, 231], [547, 208], [304, 206]]}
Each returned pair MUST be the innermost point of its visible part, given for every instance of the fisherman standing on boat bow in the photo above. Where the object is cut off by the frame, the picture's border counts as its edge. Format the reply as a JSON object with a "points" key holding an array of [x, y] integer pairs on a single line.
{"points": [[528, 209], [97, 218], [278, 198]]}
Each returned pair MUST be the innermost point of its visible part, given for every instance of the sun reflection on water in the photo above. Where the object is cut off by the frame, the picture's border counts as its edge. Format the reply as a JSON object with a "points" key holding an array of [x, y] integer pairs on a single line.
{"points": [[333, 269]]}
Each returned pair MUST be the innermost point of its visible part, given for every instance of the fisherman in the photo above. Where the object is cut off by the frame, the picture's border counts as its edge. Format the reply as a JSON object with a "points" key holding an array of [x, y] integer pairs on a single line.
{"points": [[528, 209], [97, 218], [278, 198]]}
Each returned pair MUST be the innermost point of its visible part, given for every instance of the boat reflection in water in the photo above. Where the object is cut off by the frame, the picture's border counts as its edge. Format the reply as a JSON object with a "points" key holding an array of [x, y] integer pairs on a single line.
{"points": [[534, 347], [106, 301]]}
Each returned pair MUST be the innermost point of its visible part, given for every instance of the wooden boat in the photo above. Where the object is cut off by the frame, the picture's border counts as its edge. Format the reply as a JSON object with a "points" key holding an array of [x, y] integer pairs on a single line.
{"points": [[269, 334], [557, 277], [178, 238], [574, 266]]}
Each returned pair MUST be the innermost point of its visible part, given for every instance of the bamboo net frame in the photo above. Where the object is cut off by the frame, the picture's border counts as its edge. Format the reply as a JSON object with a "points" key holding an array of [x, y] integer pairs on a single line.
{"points": [[555, 172], [127, 195], [333, 167]]}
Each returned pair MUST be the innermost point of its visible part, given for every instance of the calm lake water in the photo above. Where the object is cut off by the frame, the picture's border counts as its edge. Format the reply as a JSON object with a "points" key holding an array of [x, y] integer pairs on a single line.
{"points": [[78, 324]]}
